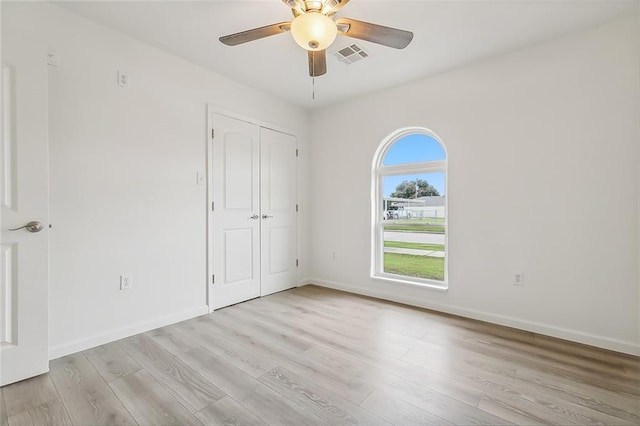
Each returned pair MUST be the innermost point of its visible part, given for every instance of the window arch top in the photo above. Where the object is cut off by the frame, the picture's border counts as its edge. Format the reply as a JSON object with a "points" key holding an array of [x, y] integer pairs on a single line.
{"points": [[413, 148]]}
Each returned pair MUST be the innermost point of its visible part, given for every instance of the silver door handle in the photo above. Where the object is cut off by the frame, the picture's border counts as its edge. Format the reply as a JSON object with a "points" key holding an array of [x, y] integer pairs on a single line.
{"points": [[33, 226], [264, 216], [254, 217]]}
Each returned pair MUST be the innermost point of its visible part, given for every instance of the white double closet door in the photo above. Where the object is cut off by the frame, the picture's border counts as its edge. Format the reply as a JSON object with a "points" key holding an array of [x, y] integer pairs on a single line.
{"points": [[254, 223]]}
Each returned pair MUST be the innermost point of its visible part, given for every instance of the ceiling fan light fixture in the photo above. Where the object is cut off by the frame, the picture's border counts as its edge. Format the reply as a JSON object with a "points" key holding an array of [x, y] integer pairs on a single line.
{"points": [[314, 31]]}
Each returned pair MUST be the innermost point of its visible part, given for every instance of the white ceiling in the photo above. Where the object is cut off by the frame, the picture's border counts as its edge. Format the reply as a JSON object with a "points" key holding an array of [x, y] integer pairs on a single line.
{"points": [[448, 34]]}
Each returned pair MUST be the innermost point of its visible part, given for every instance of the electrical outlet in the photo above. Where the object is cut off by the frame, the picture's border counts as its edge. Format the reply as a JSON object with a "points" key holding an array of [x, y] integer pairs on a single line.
{"points": [[518, 279], [126, 281], [200, 177], [333, 255]]}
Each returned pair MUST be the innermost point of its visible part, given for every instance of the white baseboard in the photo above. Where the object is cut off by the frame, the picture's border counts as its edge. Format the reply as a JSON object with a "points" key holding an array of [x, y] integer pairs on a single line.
{"points": [[304, 281], [604, 342], [110, 336]]}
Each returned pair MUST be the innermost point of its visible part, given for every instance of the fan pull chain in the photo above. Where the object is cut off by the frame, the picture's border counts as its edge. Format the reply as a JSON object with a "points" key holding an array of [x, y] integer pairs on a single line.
{"points": [[313, 90]]}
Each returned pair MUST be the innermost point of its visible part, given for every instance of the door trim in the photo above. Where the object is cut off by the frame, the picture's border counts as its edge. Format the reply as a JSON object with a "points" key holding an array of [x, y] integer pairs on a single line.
{"points": [[213, 109]]}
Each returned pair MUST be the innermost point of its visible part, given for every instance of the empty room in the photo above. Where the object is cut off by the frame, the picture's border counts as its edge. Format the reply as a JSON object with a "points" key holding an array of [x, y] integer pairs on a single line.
{"points": [[331, 212]]}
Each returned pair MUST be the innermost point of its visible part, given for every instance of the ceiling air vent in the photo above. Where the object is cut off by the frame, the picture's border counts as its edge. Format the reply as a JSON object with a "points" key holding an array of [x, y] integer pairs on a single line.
{"points": [[351, 54]]}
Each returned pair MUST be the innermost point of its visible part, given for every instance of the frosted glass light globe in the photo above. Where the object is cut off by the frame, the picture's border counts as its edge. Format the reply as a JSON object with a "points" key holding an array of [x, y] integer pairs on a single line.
{"points": [[314, 31]]}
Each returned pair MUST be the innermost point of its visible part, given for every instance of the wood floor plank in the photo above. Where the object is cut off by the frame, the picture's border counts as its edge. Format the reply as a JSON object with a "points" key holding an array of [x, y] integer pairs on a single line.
{"points": [[375, 375], [86, 396], [319, 401], [337, 310], [346, 386], [345, 346], [228, 412], [314, 333], [607, 363], [618, 405], [595, 357], [372, 309], [398, 412], [50, 413], [174, 342], [4, 421], [260, 400], [533, 357], [27, 394], [309, 331], [185, 384], [149, 402], [436, 403], [617, 384], [459, 362], [580, 350], [380, 321], [369, 337], [631, 369], [214, 340], [534, 400], [415, 313], [512, 413], [289, 328], [111, 361], [290, 342]]}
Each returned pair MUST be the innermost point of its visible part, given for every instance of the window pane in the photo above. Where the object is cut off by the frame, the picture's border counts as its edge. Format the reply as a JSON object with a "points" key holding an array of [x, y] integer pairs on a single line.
{"points": [[414, 148], [414, 225]]}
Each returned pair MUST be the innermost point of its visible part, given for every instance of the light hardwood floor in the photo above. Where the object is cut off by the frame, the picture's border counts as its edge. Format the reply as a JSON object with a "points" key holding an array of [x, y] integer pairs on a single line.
{"points": [[316, 356]]}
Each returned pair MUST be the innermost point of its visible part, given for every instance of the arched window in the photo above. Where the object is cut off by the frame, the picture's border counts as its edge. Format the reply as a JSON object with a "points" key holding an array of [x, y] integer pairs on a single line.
{"points": [[409, 218]]}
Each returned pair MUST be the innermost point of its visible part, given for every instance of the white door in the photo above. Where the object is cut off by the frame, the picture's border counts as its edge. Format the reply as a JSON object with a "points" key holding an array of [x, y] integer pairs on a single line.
{"points": [[254, 224], [24, 196], [236, 211], [278, 194]]}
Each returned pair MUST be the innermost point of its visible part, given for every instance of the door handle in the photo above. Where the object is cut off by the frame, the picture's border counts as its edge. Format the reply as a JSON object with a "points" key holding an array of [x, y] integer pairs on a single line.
{"points": [[254, 217], [33, 226], [264, 216]]}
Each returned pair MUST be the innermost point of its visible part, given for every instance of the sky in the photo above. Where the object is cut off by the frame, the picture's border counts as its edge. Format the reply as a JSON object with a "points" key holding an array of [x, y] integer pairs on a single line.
{"points": [[413, 149]]}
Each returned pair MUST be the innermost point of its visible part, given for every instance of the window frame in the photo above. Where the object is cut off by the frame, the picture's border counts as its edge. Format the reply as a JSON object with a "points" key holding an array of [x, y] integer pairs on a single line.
{"points": [[379, 171]]}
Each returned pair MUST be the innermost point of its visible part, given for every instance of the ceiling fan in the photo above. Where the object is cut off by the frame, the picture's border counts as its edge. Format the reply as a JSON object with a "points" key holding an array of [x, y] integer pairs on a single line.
{"points": [[314, 29]]}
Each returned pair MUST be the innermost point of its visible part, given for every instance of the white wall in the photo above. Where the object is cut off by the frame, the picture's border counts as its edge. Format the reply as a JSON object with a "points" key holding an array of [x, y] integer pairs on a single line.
{"points": [[123, 176], [543, 133]]}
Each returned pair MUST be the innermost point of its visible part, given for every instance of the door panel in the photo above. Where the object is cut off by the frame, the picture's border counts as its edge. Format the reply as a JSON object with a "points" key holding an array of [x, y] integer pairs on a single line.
{"points": [[278, 166], [239, 263], [278, 192], [279, 260], [238, 152], [24, 197], [236, 224]]}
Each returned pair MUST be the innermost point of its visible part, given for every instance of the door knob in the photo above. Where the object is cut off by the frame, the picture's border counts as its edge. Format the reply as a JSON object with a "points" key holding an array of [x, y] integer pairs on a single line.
{"points": [[33, 226], [254, 217], [264, 216]]}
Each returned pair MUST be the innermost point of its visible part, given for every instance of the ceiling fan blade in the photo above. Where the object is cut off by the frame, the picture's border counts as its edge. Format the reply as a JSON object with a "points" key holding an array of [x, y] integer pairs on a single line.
{"points": [[317, 63], [332, 6], [386, 36], [255, 34]]}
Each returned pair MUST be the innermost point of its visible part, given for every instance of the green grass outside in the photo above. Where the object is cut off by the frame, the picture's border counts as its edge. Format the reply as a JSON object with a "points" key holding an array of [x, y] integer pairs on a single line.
{"points": [[433, 225], [417, 246], [414, 266], [434, 229], [434, 220]]}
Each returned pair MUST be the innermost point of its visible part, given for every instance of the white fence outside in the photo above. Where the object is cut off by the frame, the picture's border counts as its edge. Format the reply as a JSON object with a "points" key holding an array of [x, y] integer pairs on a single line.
{"points": [[421, 208]]}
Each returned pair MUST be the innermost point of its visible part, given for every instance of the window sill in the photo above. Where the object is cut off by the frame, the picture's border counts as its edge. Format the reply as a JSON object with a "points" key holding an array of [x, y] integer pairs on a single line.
{"points": [[396, 279]]}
